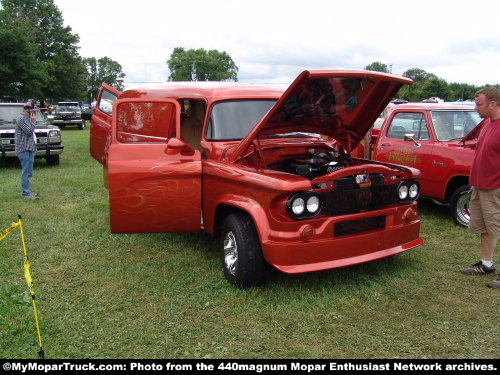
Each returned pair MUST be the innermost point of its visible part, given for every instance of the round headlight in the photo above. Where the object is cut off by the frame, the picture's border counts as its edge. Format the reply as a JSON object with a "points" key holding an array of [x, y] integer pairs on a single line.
{"points": [[298, 206], [312, 204], [403, 192], [413, 191]]}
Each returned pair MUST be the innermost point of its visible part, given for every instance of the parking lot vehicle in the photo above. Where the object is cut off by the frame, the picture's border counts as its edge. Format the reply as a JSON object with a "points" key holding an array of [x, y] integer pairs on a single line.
{"points": [[431, 138], [86, 111], [68, 113], [48, 137], [268, 171]]}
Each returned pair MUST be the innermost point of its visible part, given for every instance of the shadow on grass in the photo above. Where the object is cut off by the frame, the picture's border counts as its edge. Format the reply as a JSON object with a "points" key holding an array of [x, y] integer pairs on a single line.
{"points": [[427, 207], [364, 274], [9, 163], [14, 163]]}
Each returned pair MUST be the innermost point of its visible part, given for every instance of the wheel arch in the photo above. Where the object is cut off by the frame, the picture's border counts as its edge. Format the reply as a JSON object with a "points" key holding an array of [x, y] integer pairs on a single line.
{"points": [[246, 206], [453, 184]]}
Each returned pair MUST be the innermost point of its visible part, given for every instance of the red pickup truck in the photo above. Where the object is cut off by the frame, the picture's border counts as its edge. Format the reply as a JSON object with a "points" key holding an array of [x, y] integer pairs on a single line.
{"points": [[435, 138], [270, 171]]}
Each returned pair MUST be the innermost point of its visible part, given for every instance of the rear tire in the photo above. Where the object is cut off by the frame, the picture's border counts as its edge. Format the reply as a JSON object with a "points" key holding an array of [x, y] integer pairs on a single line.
{"points": [[459, 205], [52, 160], [81, 125], [241, 253]]}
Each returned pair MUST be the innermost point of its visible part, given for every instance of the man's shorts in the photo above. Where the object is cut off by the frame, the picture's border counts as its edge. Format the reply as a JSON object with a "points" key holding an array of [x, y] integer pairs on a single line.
{"points": [[485, 212]]}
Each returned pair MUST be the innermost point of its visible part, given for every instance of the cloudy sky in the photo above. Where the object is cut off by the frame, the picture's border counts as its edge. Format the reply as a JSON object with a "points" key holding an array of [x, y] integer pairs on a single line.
{"points": [[274, 40]]}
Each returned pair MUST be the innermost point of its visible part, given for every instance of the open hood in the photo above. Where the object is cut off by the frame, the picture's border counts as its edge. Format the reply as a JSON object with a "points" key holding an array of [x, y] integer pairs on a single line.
{"points": [[340, 104]]}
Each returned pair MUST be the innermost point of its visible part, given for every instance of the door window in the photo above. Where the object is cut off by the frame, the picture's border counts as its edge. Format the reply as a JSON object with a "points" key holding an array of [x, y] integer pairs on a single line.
{"points": [[454, 124], [106, 102], [409, 123], [145, 122]]}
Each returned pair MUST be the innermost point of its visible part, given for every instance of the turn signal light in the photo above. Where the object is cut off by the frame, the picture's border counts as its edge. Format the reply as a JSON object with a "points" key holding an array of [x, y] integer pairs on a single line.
{"points": [[308, 232]]}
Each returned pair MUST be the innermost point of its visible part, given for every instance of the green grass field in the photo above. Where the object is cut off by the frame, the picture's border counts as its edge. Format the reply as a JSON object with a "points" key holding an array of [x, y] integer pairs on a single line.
{"points": [[164, 295]]}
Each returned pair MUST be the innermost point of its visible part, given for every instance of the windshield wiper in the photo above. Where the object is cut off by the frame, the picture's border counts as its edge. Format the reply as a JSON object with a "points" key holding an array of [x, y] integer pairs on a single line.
{"points": [[291, 135]]}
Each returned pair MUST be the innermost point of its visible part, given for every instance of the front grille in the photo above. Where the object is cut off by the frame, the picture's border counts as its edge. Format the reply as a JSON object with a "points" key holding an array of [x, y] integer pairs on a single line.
{"points": [[357, 199], [345, 183], [7, 139], [66, 116], [41, 137], [377, 179], [358, 226]]}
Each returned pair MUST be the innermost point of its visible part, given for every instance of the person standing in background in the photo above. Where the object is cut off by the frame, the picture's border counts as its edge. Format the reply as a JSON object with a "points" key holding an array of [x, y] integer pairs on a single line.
{"points": [[485, 182], [25, 147]]}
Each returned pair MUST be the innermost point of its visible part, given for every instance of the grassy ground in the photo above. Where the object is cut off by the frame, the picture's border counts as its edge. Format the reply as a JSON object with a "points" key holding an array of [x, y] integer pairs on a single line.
{"points": [[164, 295]]}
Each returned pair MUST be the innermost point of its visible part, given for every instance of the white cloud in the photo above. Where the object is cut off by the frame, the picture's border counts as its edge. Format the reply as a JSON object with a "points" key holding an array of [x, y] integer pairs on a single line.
{"points": [[273, 41]]}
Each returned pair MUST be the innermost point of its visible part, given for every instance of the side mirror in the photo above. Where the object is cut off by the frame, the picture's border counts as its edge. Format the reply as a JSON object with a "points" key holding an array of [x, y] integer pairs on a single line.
{"points": [[177, 146], [410, 137]]}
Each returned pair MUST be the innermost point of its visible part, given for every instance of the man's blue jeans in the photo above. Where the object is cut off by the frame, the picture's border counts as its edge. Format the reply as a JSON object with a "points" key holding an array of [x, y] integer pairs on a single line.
{"points": [[27, 159]]}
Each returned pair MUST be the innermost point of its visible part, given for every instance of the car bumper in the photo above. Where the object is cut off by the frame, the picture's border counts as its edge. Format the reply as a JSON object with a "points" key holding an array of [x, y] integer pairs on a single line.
{"points": [[325, 250], [41, 150]]}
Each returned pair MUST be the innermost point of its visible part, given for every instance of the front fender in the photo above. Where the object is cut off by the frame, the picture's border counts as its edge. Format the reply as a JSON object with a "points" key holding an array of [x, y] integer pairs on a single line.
{"points": [[248, 205]]}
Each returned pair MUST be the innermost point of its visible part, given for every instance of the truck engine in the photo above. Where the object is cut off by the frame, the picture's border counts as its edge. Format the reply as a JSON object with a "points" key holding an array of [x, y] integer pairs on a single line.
{"points": [[317, 163]]}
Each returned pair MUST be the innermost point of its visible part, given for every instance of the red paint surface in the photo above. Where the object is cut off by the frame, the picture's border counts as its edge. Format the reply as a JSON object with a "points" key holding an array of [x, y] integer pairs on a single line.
{"points": [[439, 161], [161, 184]]}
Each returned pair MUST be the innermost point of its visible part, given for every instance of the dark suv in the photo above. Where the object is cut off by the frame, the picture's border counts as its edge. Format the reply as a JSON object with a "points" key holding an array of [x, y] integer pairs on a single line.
{"points": [[48, 137], [68, 113]]}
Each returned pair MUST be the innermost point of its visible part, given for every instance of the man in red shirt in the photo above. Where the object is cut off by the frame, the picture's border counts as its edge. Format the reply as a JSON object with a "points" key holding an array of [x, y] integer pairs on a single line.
{"points": [[485, 182]]}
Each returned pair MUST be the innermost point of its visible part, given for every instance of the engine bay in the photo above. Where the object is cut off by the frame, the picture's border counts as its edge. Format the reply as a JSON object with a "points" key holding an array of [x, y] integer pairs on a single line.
{"points": [[309, 162], [316, 163]]}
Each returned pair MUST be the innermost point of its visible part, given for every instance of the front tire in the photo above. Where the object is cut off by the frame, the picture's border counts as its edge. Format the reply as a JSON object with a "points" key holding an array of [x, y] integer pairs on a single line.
{"points": [[241, 253], [459, 205]]}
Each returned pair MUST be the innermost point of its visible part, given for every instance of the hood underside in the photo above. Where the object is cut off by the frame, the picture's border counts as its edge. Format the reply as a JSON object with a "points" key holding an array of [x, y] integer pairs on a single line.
{"points": [[339, 104]]}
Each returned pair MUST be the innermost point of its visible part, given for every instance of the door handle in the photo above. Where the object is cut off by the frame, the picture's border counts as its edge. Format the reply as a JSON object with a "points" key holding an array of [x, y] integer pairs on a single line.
{"points": [[385, 144]]}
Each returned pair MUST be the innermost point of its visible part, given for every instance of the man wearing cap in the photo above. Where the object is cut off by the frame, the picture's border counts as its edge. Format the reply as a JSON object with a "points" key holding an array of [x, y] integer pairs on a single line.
{"points": [[25, 147]]}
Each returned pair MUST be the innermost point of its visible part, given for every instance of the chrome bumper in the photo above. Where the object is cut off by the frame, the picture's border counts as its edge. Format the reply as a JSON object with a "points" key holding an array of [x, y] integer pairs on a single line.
{"points": [[47, 150]]}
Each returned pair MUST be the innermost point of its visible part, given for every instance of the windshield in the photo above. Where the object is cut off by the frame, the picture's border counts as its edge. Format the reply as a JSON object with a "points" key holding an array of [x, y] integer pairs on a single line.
{"points": [[233, 120], [8, 115], [67, 106], [454, 125]]}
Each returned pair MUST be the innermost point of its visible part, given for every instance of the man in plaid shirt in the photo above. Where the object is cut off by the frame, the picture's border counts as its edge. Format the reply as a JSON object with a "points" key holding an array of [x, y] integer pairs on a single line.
{"points": [[25, 144]]}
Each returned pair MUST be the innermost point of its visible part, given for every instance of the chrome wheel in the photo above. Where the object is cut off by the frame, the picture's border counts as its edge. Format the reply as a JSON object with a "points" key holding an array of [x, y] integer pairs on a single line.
{"points": [[462, 209], [230, 253]]}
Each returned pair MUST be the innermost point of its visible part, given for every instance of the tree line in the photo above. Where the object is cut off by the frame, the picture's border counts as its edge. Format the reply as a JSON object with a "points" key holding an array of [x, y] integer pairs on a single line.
{"points": [[39, 57], [427, 85]]}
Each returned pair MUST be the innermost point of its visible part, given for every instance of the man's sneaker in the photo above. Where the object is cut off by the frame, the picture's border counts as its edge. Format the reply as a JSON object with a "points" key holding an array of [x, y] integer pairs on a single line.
{"points": [[30, 196], [494, 284], [478, 269]]}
